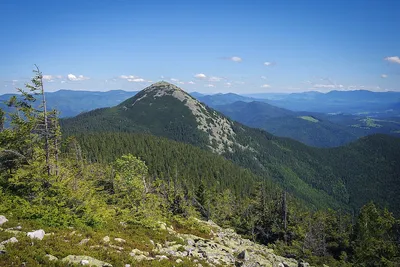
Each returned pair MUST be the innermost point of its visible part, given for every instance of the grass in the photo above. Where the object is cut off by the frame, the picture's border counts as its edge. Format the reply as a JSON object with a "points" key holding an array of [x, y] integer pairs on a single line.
{"points": [[367, 123], [309, 118], [65, 241]]}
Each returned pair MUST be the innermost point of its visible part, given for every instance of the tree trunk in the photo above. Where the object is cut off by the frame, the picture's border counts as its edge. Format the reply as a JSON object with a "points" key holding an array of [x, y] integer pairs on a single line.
{"points": [[46, 125], [284, 206]]}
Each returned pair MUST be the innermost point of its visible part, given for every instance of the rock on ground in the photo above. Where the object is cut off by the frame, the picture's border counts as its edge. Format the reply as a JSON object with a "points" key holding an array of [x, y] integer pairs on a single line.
{"points": [[3, 220], [51, 257], [38, 234], [85, 260], [11, 240]]}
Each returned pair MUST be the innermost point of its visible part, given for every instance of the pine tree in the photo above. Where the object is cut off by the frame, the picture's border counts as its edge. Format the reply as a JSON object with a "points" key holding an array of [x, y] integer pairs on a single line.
{"points": [[374, 240]]}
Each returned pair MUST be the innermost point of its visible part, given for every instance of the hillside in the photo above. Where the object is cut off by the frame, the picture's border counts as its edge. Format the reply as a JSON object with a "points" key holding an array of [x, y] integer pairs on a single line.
{"points": [[307, 128], [369, 168], [165, 110], [91, 201]]}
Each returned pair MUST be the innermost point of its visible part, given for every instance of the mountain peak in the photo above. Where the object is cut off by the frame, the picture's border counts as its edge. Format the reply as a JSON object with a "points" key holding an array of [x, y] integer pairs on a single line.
{"points": [[162, 86], [170, 106]]}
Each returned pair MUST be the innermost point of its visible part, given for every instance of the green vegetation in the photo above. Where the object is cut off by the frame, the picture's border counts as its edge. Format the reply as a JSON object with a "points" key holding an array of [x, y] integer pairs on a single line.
{"points": [[309, 118], [315, 176], [367, 123], [331, 130], [94, 181]]}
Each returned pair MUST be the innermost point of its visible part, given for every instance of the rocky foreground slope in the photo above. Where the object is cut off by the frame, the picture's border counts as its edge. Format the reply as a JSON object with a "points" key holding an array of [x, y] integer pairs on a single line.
{"points": [[223, 248]]}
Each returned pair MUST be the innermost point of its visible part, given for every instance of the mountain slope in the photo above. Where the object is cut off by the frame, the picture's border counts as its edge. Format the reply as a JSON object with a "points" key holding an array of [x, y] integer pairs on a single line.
{"points": [[314, 129], [302, 126], [165, 110]]}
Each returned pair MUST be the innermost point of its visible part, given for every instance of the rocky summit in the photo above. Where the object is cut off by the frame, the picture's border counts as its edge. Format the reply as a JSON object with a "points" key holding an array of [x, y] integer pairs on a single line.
{"points": [[217, 128]]}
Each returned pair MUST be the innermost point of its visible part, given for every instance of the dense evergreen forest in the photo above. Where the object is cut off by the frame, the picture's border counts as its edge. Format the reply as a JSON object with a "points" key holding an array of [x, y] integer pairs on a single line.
{"points": [[93, 180], [323, 178]]}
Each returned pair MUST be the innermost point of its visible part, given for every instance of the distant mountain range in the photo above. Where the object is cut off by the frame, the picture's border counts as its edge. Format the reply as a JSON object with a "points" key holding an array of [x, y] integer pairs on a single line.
{"points": [[353, 102], [287, 115], [71, 103], [311, 128], [349, 102], [345, 177]]}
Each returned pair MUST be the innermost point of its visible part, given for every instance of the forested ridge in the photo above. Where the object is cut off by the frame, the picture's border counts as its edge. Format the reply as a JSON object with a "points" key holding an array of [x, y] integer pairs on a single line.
{"points": [[94, 180], [318, 176]]}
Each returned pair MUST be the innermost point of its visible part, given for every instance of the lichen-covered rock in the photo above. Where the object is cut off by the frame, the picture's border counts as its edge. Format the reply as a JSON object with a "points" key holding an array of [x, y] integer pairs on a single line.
{"points": [[11, 240], [38, 234], [3, 220], [51, 257], [74, 259], [139, 255], [161, 257], [221, 248], [8, 241], [14, 232]]}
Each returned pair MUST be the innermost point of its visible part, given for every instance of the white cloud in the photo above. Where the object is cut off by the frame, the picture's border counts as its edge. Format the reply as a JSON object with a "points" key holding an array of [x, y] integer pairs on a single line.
{"points": [[51, 77], [236, 59], [132, 78], [215, 79], [228, 84], [394, 59], [128, 77], [181, 82], [267, 63], [62, 81], [136, 80], [331, 86], [209, 85], [263, 77], [200, 76], [266, 86], [191, 82], [384, 76], [72, 77], [174, 80]]}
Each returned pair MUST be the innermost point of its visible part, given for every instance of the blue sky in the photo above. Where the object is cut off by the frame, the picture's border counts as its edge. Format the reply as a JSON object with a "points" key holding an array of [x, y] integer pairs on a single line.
{"points": [[205, 46]]}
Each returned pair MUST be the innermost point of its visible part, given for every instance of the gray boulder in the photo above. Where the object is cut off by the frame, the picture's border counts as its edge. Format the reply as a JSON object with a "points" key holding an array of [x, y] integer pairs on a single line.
{"points": [[38, 234], [3, 220], [51, 257], [11, 240]]}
